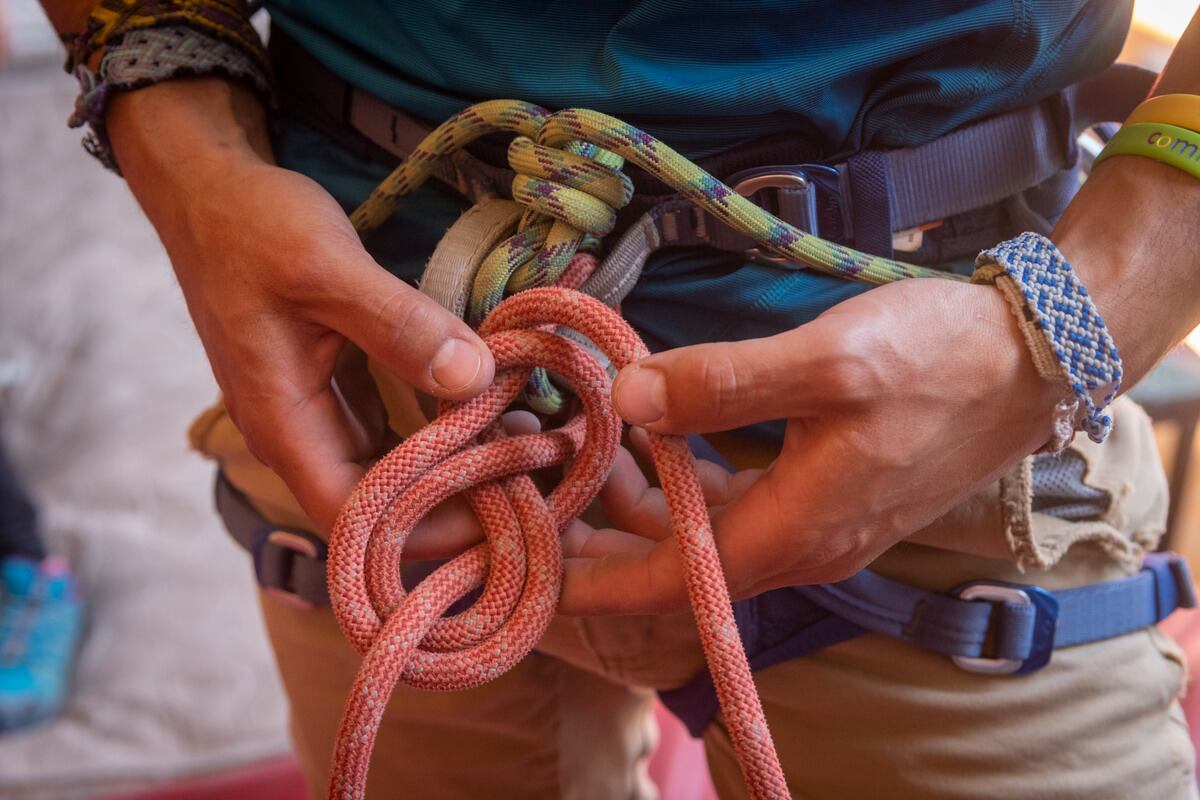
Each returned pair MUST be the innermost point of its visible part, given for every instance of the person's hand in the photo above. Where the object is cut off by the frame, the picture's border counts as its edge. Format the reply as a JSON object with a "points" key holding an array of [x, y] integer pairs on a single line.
{"points": [[900, 403], [277, 283]]}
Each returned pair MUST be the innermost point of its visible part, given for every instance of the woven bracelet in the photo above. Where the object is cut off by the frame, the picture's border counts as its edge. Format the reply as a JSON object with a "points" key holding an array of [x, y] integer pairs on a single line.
{"points": [[1064, 331], [111, 20], [150, 41], [146, 57]]}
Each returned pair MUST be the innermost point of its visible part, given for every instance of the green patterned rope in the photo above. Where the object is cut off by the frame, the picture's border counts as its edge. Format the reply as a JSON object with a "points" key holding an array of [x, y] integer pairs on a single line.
{"points": [[568, 177]]}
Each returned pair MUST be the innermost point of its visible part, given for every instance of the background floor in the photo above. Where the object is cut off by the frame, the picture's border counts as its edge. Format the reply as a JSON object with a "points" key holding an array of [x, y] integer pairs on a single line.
{"points": [[100, 372]]}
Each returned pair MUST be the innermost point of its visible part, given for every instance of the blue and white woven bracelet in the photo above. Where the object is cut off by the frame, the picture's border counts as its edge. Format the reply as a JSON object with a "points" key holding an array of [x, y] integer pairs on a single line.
{"points": [[1064, 331]]}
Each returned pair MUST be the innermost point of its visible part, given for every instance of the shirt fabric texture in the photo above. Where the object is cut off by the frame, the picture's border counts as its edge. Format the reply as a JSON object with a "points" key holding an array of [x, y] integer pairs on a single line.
{"points": [[702, 76], [705, 74]]}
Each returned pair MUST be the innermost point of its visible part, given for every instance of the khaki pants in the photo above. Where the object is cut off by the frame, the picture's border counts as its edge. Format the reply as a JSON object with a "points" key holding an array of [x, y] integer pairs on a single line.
{"points": [[869, 718]]}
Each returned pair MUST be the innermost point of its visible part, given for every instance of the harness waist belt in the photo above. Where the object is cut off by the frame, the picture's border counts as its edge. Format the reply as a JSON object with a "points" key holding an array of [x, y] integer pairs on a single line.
{"points": [[985, 626], [861, 201], [990, 627]]}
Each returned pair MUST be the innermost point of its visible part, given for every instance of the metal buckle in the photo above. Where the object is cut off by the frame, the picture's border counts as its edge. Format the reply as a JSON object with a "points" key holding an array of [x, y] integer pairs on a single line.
{"points": [[292, 544], [749, 182], [1045, 623]]}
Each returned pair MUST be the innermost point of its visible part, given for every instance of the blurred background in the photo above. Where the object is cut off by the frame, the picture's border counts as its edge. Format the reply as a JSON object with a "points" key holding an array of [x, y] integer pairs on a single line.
{"points": [[174, 694], [100, 375]]}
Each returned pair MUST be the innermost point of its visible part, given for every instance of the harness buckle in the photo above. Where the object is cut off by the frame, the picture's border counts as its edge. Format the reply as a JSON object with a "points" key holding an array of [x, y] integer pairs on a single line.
{"points": [[796, 199], [1006, 596], [274, 564]]}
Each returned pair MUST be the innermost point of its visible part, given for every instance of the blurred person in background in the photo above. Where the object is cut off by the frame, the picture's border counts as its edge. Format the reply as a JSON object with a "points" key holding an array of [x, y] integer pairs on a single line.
{"points": [[40, 612], [908, 405]]}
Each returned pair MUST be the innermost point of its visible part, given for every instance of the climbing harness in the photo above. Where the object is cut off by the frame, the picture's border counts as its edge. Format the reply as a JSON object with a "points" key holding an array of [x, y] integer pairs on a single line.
{"points": [[542, 251], [988, 627], [568, 182], [569, 185]]}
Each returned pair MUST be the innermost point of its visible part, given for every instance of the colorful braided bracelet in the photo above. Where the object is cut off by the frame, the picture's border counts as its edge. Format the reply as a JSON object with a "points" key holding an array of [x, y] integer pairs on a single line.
{"points": [[1064, 331], [111, 20], [152, 41]]}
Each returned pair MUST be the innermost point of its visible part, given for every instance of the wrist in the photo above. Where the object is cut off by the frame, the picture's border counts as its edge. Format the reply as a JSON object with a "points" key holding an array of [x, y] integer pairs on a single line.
{"points": [[183, 133], [1130, 219], [1030, 399], [178, 139]]}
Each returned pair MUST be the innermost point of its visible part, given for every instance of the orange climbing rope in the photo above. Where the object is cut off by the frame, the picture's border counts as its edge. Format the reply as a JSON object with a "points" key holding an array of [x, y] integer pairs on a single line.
{"points": [[402, 635], [568, 181]]}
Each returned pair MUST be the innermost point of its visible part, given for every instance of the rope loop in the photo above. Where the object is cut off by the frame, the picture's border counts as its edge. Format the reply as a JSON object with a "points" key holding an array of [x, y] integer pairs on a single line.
{"points": [[598, 181], [571, 195], [468, 453], [473, 122], [569, 180], [577, 184], [402, 634]]}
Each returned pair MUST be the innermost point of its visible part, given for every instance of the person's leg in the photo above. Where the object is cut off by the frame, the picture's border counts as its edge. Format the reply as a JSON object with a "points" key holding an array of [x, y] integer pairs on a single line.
{"points": [[545, 729], [19, 535], [876, 717], [40, 612]]}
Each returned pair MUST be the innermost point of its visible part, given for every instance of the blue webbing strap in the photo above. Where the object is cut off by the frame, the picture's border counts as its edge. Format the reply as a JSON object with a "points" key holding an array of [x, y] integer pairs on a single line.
{"points": [[801, 620], [952, 626], [869, 180], [1104, 610], [1025, 633], [695, 703], [934, 621]]}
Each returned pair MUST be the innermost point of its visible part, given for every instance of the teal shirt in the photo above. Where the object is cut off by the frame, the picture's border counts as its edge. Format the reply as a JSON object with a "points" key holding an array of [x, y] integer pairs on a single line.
{"points": [[702, 76], [706, 74]]}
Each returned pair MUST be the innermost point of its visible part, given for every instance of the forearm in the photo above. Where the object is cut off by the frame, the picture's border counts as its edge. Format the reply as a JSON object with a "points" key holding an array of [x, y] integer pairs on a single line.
{"points": [[68, 16], [1130, 233], [178, 125], [173, 138], [190, 149]]}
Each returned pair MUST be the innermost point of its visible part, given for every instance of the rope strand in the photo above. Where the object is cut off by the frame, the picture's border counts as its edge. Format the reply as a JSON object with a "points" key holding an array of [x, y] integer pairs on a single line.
{"points": [[568, 179]]}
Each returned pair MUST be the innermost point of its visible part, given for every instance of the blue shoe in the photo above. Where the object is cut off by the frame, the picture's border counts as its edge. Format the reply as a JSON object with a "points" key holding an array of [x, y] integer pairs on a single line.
{"points": [[41, 618]]}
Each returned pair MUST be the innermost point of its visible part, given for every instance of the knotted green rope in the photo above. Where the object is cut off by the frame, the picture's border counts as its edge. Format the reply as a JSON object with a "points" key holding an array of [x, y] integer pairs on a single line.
{"points": [[568, 177]]}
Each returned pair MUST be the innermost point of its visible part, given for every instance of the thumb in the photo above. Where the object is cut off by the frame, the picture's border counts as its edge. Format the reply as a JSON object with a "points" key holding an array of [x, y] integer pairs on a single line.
{"points": [[408, 332], [720, 386]]}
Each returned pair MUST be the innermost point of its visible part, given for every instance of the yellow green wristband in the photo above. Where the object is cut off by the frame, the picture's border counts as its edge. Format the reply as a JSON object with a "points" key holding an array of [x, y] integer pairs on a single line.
{"points": [[1169, 109], [1169, 144]]}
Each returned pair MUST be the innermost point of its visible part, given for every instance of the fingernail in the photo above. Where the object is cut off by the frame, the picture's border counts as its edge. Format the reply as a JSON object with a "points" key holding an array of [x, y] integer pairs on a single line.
{"points": [[640, 395], [456, 365]]}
